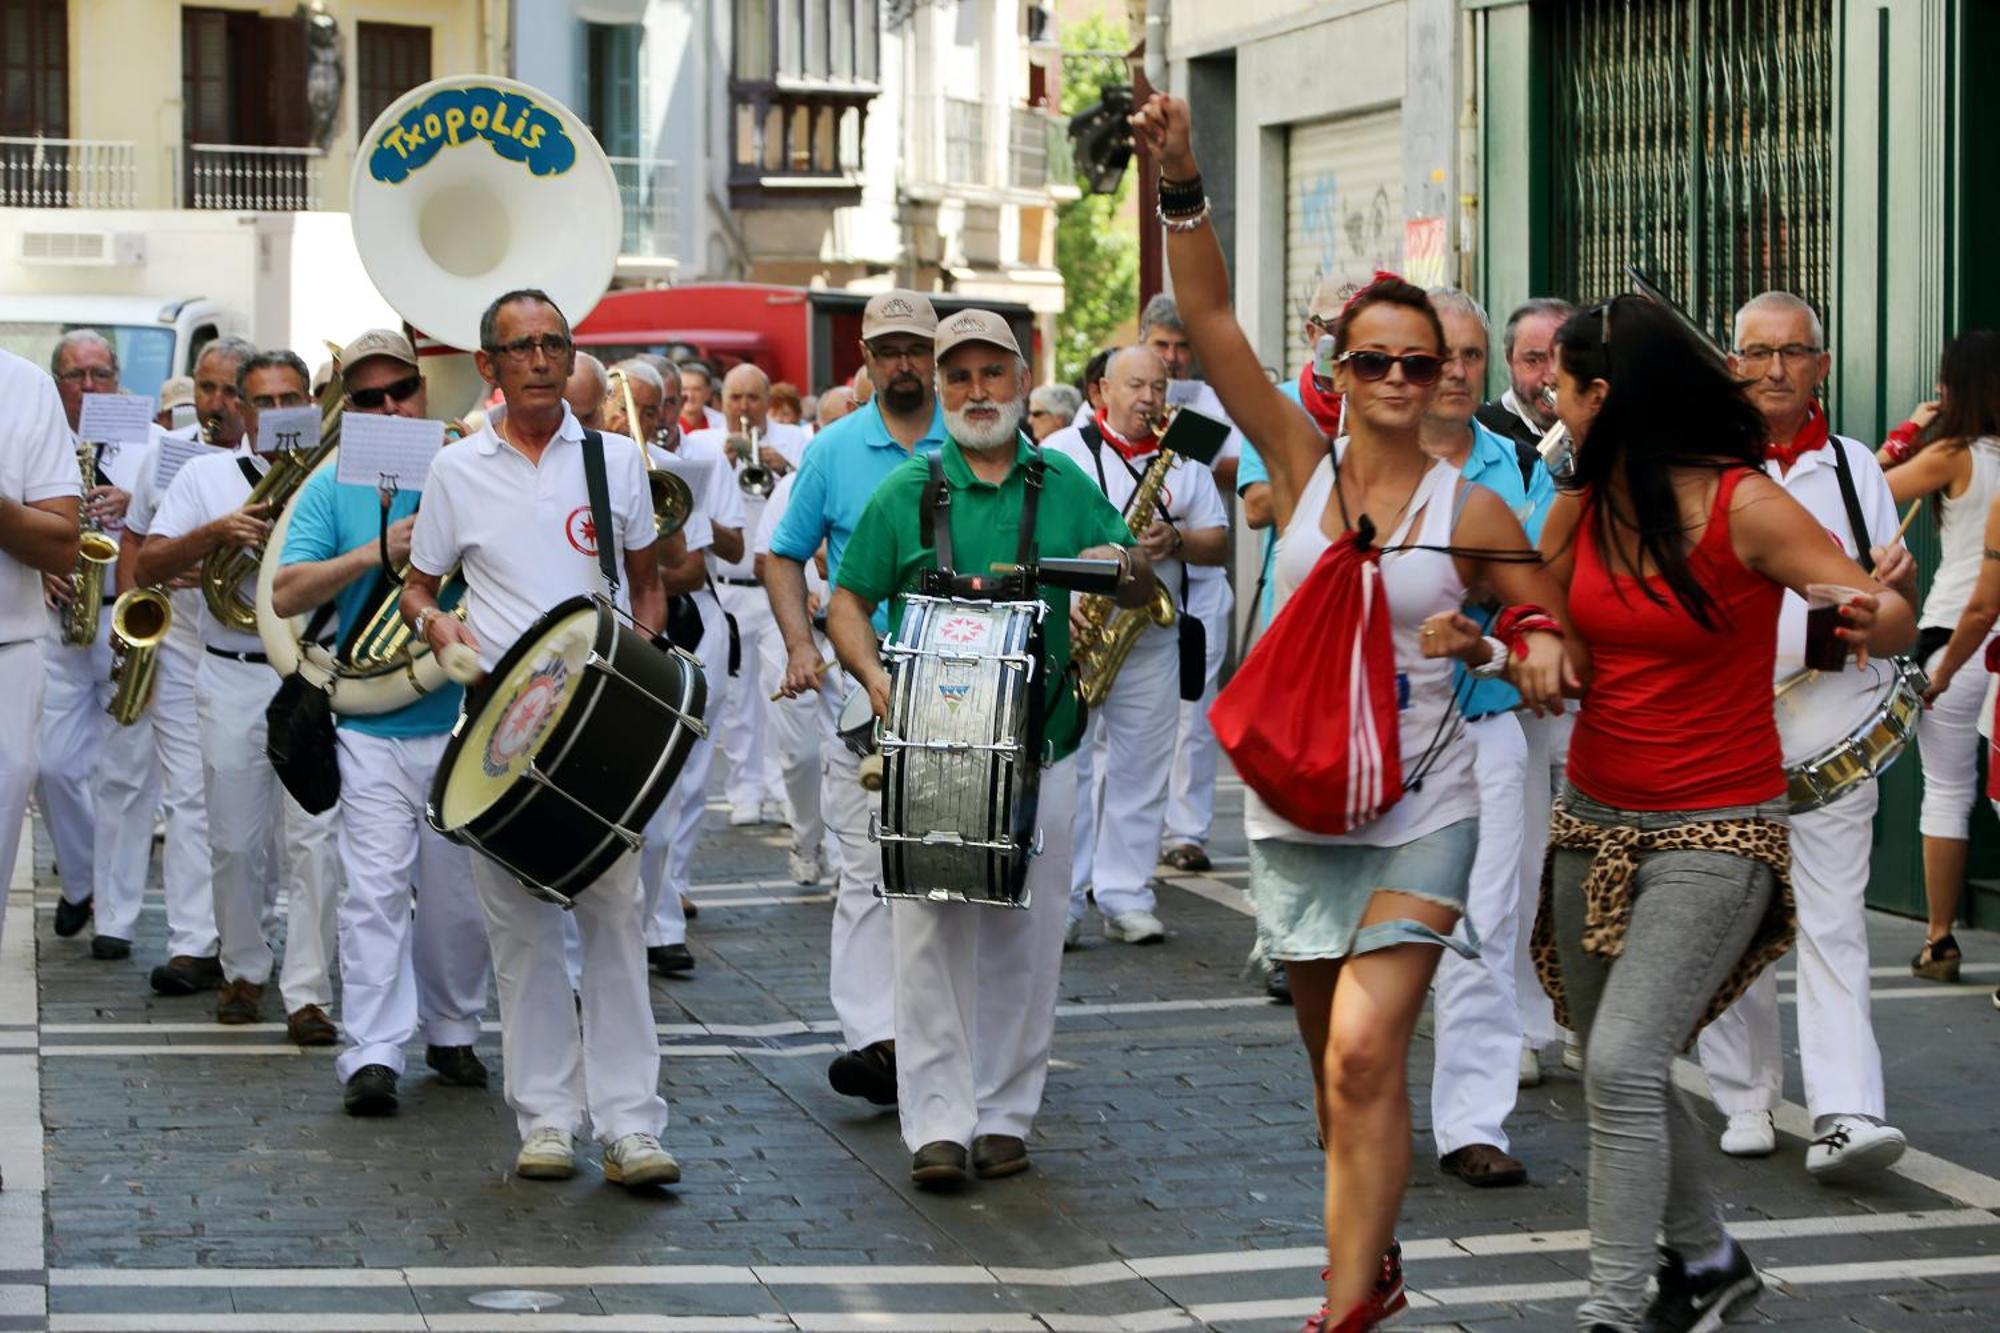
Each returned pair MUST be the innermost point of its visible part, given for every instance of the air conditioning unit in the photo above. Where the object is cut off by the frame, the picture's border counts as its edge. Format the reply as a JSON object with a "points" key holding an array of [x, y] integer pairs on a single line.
{"points": [[84, 249]]}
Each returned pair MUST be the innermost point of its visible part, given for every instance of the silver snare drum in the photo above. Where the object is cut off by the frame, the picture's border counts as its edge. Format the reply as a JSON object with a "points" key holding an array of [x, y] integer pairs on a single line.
{"points": [[1841, 728], [961, 769]]}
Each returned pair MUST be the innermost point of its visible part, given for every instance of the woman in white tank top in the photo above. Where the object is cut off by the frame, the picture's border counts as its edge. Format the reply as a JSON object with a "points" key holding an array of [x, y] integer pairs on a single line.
{"points": [[1960, 464], [1360, 919]]}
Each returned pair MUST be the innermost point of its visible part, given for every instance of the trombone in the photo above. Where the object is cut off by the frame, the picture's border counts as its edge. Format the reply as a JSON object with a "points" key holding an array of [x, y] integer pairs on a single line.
{"points": [[672, 500]]}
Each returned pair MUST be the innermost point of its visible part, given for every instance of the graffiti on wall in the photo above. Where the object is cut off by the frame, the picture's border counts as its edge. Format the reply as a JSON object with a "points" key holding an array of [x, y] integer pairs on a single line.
{"points": [[1350, 235]]}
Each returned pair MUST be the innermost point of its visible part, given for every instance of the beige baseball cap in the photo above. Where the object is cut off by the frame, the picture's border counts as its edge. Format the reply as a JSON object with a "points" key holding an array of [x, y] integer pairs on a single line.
{"points": [[378, 342], [898, 312], [970, 326], [177, 392]]}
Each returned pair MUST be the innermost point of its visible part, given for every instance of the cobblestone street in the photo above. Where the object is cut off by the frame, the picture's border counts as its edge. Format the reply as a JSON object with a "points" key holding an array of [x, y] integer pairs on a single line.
{"points": [[164, 1173]]}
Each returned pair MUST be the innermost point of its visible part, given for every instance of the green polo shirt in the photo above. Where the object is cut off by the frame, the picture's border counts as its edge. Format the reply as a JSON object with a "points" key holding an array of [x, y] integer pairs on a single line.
{"points": [[885, 556]]}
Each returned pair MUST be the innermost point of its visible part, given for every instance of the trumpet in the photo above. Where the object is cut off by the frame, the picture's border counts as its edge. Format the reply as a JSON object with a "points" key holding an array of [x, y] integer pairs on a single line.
{"points": [[96, 555], [140, 619], [672, 500], [752, 477]]}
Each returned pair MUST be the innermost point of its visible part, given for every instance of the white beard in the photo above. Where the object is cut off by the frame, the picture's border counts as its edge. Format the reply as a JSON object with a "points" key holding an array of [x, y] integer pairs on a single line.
{"points": [[1002, 431]]}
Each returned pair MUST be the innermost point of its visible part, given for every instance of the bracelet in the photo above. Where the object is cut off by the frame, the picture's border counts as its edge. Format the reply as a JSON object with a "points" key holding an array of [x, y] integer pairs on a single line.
{"points": [[422, 622], [1496, 662], [1188, 222], [1180, 196]]}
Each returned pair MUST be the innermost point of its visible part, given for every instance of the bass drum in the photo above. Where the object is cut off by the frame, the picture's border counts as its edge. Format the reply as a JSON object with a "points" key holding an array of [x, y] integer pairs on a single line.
{"points": [[567, 748]]}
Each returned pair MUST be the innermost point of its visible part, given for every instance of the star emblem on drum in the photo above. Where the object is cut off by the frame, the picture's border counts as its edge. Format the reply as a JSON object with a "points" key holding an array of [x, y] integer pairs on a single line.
{"points": [[522, 722], [962, 631], [581, 530]]}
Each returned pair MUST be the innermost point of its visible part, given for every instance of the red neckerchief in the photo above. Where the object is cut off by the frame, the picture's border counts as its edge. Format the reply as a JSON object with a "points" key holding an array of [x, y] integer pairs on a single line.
{"points": [[1812, 435], [1323, 404], [698, 423], [1138, 447]]}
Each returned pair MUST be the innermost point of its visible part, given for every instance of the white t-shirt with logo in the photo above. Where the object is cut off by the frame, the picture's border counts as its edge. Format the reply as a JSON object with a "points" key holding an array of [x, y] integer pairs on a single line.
{"points": [[522, 533], [37, 462], [205, 489]]}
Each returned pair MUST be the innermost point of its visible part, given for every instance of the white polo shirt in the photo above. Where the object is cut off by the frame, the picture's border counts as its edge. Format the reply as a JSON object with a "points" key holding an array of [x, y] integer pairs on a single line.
{"points": [[521, 532], [204, 490], [146, 489], [790, 442], [1190, 494], [698, 532], [37, 462], [1814, 482]]}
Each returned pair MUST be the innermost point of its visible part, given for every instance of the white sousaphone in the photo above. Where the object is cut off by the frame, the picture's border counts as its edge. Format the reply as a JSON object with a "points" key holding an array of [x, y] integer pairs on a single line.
{"points": [[464, 188]]}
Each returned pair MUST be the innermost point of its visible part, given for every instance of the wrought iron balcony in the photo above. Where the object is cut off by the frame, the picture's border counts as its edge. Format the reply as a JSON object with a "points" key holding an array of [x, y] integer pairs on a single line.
{"points": [[247, 178], [68, 173], [647, 190], [797, 145]]}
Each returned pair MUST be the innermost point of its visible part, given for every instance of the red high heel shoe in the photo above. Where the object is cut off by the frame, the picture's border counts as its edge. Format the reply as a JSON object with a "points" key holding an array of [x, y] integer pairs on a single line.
{"points": [[1387, 1299]]}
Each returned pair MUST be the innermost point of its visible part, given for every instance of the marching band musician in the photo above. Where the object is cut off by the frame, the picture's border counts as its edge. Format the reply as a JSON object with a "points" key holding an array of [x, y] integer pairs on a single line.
{"points": [[509, 507], [975, 987], [664, 865], [1781, 356], [586, 391], [41, 498], [206, 509], [74, 724], [754, 793], [1130, 747], [168, 732], [394, 977], [697, 387], [836, 480], [802, 726]]}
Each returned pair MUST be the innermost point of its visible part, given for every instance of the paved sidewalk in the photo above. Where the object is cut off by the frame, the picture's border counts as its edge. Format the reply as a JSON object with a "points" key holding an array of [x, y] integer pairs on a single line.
{"points": [[204, 1178]]}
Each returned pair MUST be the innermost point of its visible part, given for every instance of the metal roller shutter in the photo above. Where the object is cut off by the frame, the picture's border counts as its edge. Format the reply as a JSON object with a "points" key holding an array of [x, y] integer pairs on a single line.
{"points": [[1343, 209]]}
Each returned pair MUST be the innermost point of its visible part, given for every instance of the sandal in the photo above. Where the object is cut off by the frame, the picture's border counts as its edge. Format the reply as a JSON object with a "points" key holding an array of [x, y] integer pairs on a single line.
{"points": [[1387, 1299], [1938, 960]]}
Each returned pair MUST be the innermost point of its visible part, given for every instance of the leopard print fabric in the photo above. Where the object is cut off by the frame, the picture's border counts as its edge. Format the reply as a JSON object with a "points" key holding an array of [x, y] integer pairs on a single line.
{"points": [[1607, 892]]}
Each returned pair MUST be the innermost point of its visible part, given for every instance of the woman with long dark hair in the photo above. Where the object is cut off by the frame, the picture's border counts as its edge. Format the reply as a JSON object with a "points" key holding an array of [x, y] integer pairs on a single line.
{"points": [[1360, 916], [1665, 890], [1956, 458]]}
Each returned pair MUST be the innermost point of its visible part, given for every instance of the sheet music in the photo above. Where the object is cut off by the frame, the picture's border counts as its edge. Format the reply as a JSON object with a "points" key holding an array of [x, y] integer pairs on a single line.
{"points": [[116, 418], [287, 429], [174, 453], [391, 453]]}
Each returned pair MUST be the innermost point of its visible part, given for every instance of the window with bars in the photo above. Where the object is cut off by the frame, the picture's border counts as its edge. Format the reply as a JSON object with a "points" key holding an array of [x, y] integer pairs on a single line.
{"points": [[803, 73], [1693, 139], [394, 58]]}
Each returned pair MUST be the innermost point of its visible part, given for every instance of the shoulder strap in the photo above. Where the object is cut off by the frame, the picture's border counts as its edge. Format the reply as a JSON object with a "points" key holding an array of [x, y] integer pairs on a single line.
{"points": [[600, 506], [1032, 479], [935, 516], [249, 469], [1843, 472]]}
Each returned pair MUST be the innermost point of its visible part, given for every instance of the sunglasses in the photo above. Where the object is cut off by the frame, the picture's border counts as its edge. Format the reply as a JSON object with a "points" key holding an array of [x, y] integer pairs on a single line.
{"points": [[371, 400], [1418, 367]]}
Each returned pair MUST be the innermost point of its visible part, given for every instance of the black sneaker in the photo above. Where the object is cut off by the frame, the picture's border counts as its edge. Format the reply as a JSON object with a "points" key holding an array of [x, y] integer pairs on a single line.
{"points": [[187, 974], [868, 1073], [372, 1091], [1701, 1301], [72, 917], [669, 960], [456, 1065], [110, 947]]}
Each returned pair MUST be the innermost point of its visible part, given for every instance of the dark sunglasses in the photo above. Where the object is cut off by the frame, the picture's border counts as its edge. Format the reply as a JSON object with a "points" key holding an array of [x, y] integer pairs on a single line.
{"points": [[1418, 367], [371, 400]]}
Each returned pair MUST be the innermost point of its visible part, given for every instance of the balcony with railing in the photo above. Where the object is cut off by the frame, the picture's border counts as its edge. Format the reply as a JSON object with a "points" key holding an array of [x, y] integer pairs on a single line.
{"points": [[647, 191], [68, 173], [794, 145], [246, 177], [1038, 153]]}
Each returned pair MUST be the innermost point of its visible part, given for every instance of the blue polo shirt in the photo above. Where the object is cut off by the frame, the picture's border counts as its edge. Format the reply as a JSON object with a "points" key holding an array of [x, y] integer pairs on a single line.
{"points": [[329, 519], [1494, 464], [836, 479]]}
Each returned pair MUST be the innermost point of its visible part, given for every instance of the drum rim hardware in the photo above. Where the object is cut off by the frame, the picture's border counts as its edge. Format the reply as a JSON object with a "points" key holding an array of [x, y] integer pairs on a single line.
{"points": [[1864, 752]]}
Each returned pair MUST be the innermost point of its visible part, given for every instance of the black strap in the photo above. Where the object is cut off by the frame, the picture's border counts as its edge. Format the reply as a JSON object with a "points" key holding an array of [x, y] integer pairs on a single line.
{"points": [[935, 519], [1024, 545], [1095, 438], [600, 507], [1843, 472], [249, 469], [97, 466]]}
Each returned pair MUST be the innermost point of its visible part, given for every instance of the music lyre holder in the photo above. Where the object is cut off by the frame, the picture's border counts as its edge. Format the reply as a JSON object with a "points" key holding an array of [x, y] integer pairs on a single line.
{"points": [[1077, 575]]}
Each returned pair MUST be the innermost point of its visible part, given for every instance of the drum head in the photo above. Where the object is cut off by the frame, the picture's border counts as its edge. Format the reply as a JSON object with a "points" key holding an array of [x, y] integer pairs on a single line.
{"points": [[856, 724], [1817, 710], [518, 713]]}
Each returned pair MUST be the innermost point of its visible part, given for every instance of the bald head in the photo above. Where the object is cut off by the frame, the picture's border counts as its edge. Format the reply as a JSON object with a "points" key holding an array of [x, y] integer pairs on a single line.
{"points": [[585, 390], [834, 404], [1135, 389], [861, 386], [746, 392]]}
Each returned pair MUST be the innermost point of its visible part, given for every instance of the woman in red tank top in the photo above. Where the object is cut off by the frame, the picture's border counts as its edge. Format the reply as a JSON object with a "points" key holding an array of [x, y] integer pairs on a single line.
{"points": [[1665, 890]]}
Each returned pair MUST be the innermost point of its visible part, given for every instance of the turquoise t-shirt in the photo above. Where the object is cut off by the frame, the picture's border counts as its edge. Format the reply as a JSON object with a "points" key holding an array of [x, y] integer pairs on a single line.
{"points": [[329, 519]]}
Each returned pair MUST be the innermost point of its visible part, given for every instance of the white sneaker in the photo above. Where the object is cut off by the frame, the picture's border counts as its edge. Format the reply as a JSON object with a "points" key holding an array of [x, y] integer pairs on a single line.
{"points": [[741, 816], [805, 869], [1135, 928], [1848, 1146], [638, 1160], [1531, 1067], [546, 1154], [1750, 1134], [1072, 933], [1572, 1053]]}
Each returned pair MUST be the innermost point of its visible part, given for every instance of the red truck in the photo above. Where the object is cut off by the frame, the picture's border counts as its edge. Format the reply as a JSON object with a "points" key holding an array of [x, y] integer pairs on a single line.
{"points": [[808, 336]]}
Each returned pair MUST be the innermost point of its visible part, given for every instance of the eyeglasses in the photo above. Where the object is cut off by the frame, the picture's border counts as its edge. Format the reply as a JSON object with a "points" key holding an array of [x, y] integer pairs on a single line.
{"points": [[1792, 354], [910, 354], [371, 400], [551, 345], [1418, 367], [95, 374]]}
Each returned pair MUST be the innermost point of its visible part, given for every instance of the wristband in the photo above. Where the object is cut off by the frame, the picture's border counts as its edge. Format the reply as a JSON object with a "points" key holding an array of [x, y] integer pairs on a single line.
{"points": [[1181, 196], [1183, 221], [1902, 442], [1515, 623], [1495, 664]]}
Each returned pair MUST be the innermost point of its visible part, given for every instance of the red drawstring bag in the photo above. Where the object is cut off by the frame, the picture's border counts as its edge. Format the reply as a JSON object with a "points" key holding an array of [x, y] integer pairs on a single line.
{"points": [[1992, 663], [1309, 720]]}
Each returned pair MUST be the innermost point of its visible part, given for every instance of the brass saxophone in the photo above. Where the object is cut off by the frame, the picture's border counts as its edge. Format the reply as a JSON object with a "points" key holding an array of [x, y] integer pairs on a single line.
{"points": [[95, 557], [140, 619], [229, 575], [1100, 645]]}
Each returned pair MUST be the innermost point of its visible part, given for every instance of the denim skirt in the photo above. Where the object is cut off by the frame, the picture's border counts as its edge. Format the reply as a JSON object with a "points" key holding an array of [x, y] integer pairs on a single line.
{"points": [[1310, 896]]}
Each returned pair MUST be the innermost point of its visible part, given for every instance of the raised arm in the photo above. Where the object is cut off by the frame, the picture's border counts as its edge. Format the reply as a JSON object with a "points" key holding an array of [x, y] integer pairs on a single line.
{"points": [[1286, 437]]}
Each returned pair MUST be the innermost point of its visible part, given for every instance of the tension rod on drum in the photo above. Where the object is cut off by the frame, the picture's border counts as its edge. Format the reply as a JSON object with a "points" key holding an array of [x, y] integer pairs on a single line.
{"points": [[604, 666], [632, 841]]}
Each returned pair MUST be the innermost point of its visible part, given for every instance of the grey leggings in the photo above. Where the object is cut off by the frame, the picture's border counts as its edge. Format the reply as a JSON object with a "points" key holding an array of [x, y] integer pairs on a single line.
{"points": [[1693, 915]]}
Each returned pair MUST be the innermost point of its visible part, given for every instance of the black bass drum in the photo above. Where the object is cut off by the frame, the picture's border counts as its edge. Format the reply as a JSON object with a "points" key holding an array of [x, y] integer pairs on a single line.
{"points": [[567, 748]]}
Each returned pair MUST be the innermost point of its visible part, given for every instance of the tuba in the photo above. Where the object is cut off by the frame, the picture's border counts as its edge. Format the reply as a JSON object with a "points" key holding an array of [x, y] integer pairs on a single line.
{"points": [[228, 571], [140, 619], [672, 500], [96, 555], [1107, 632]]}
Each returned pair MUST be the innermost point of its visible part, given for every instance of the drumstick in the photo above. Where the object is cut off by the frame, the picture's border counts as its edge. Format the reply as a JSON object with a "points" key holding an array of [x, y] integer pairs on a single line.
{"points": [[1909, 516], [824, 667], [460, 663]]}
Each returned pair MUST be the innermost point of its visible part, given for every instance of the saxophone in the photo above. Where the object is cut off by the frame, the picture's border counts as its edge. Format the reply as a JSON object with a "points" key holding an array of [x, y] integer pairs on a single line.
{"points": [[95, 557], [139, 622], [1100, 645]]}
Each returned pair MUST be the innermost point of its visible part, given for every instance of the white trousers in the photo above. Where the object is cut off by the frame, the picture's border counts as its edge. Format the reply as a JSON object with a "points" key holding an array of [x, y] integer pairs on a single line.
{"points": [[247, 808], [1741, 1051], [1548, 757], [1478, 1023], [862, 967], [742, 734], [799, 729], [1949, 741], [396, 974], [1117, 827], [559, 1069], [22, 682], [1191, 792], [671, 834], [73, 727], [976, 997]]}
